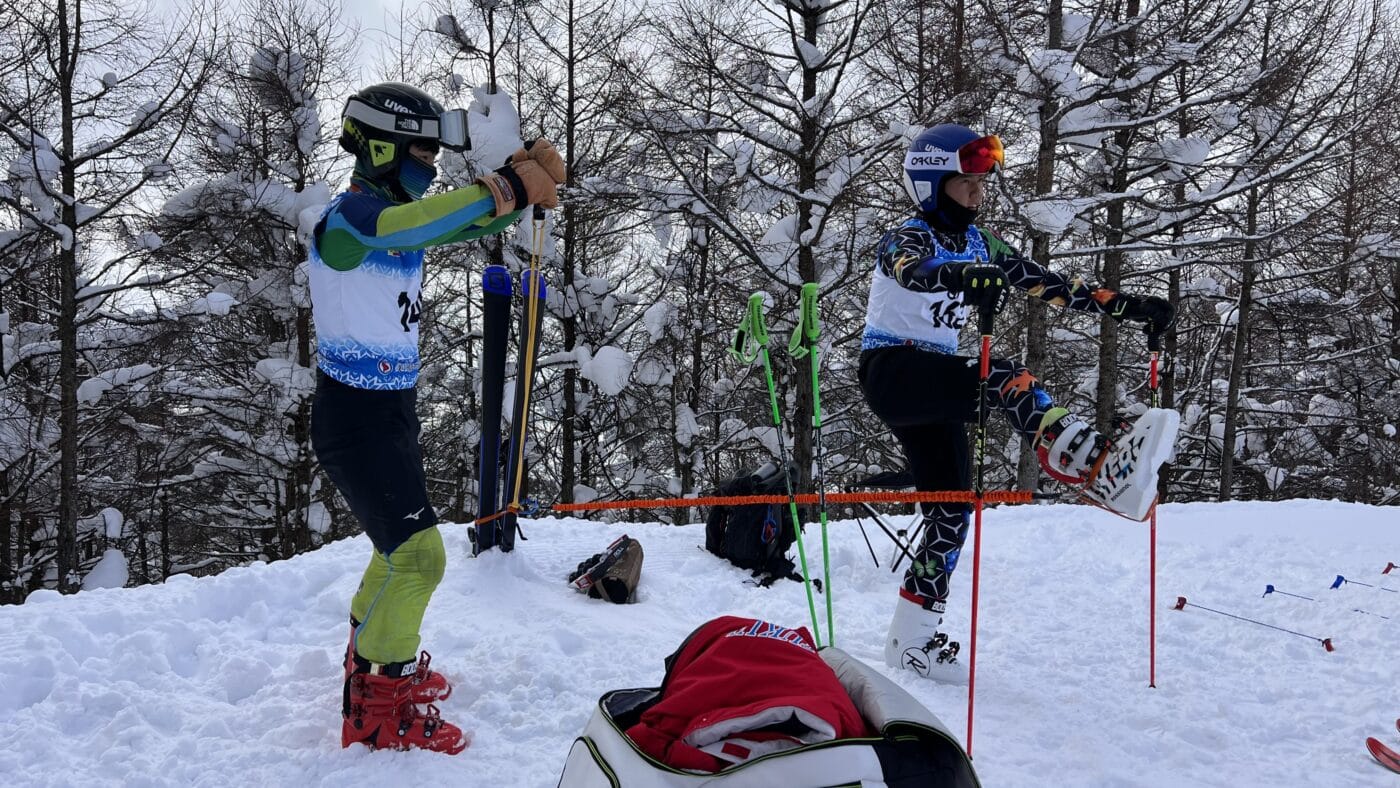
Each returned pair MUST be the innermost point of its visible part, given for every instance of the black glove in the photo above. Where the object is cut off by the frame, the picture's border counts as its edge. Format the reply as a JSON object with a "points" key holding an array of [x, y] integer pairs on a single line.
{"points": [[1156, 313], [983, 286]]}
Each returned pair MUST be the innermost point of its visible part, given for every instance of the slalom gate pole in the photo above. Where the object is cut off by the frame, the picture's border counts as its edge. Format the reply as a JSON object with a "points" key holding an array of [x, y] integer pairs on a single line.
{"points": [[1340, 581], [986, 317], [750, 343], [804, 343], [1269, 589], [1182, 604], [1154, 346]]}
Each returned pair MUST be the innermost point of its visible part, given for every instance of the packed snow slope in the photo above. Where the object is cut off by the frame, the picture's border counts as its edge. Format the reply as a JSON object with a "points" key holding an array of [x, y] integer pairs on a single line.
{"points": [[236, 679]]}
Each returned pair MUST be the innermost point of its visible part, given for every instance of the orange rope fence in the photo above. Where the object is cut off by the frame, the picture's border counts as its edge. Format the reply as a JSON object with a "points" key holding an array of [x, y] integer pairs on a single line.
{"points": [[953, 496]]}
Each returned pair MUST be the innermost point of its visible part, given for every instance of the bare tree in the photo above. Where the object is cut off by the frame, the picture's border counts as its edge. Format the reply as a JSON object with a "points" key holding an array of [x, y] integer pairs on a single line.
{"points": [[93, 108]]}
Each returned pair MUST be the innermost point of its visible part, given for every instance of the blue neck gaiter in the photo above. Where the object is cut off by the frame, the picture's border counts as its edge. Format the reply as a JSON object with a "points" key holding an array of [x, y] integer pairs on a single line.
{"points": [[415, 177]]}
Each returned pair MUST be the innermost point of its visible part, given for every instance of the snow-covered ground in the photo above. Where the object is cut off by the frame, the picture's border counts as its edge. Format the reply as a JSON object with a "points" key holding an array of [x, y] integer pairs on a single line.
{"points": [[235, 679]]}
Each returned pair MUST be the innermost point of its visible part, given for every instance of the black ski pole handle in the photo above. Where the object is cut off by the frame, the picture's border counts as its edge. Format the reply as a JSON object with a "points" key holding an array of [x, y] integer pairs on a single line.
{"points": [[1154, 337], [985, 286]]}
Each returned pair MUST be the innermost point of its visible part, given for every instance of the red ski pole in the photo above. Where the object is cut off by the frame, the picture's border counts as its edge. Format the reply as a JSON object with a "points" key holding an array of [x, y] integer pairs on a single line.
{"points": [[990, 291]]}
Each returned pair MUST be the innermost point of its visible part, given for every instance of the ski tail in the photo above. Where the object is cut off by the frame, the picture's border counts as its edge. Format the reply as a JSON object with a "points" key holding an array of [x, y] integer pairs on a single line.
{"points": [[496, 296]]}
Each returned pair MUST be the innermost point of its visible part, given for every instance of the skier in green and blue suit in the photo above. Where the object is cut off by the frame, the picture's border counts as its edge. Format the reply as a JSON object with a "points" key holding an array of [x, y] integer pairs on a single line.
{"points": [[366, 274]]}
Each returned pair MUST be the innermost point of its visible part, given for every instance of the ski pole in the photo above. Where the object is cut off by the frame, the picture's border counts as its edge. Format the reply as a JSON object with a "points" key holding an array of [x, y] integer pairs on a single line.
{"points": [[533, 293], [1342, 580], [1389, 565], [989, 283], [750, 343], [1154, 346], [1269, 589], [804, 343], [1182, 604]]}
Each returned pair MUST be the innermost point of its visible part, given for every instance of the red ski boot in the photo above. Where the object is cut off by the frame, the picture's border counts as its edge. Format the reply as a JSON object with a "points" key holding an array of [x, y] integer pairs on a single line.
{"points": [[428, 685], [379, 713]]}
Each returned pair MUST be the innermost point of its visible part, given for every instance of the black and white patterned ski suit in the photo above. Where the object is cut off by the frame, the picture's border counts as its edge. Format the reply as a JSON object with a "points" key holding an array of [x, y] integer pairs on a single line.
{"points": [[925, 393]]}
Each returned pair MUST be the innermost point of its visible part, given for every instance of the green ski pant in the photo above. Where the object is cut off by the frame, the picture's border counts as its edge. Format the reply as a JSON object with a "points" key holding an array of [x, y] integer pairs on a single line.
{"points": [[393, 596]]}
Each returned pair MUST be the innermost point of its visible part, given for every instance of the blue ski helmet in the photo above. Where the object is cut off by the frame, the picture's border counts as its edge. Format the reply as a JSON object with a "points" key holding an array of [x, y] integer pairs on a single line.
{"points": [[933, 157]]}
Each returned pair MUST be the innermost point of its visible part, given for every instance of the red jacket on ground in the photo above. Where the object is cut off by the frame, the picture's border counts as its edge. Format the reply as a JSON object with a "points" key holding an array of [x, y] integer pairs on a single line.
{"points": [[739, 688]]}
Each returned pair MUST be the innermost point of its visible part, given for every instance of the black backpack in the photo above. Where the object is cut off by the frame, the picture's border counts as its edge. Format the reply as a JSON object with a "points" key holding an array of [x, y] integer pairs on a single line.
{"points": [[756, 536]]}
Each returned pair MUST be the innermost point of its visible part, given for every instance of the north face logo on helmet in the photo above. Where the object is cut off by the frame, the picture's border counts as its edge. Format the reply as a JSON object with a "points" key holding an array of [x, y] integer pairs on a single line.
{"points": [[408, 124]]}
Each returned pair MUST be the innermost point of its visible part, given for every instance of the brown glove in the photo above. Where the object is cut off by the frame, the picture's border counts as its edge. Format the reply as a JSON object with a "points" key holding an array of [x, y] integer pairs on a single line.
{"points": [[519, 184], [543, 153]]}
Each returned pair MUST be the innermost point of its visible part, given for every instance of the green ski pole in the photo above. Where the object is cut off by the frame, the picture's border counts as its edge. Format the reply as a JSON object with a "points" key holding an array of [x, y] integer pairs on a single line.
{"points": [[750, 343], [804, 344]]}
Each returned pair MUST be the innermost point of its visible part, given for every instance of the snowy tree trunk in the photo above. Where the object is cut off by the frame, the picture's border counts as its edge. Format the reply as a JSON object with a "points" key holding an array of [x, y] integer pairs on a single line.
{"points": [[809, 125], [1037, 326], [8, 576], [68, 579], [1239, 353], [303, 462], [1106, 390]]}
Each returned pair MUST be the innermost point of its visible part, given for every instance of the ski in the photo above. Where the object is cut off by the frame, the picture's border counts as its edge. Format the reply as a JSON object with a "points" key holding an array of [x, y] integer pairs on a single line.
{"points": [[1384, 755], [533, 290], [496, 298]]}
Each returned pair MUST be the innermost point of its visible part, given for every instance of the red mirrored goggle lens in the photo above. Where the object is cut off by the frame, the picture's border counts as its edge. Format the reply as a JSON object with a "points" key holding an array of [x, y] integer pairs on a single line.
{"points": [[981, 156]]}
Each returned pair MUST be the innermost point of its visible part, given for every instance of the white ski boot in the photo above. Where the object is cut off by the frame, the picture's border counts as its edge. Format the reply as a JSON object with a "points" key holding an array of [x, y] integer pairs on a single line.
{"points": [[1121, 478], [915, 644]]}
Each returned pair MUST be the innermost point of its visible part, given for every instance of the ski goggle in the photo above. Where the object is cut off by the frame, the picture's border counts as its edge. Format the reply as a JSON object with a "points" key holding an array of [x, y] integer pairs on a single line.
{"points": [[448, 129], [978, 157]]}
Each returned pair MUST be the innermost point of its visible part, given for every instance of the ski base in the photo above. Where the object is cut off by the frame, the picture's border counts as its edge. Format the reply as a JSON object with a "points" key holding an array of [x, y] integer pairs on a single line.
{"points": [[496, 289]]}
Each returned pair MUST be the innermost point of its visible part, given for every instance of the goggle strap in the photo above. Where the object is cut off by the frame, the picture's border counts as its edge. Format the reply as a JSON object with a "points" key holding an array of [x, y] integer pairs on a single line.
{"points": [[409, 125]]}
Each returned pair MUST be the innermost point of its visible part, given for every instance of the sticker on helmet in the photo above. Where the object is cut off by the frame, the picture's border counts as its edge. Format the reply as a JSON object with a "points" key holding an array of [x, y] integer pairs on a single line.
{"points": [[381, 153]]}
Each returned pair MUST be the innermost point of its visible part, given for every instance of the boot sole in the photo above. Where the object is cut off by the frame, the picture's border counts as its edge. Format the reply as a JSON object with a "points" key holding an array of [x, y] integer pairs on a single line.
{"points": [[1145, 467]]}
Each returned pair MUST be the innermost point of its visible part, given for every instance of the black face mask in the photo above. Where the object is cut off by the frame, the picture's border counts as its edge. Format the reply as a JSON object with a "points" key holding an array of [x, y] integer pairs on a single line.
{"points": [[949, 215]]}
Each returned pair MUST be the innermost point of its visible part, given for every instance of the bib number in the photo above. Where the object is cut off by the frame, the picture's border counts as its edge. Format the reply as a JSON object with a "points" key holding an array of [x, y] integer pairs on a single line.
{"points": [[948, 314], [412, 309]]}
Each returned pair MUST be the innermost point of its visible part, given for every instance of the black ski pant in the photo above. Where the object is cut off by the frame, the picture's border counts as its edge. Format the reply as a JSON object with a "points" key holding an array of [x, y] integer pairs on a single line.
{"points": [[926, 399], [367, 443]]}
